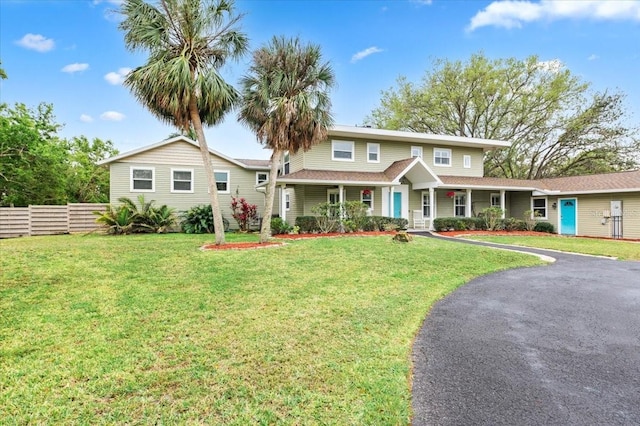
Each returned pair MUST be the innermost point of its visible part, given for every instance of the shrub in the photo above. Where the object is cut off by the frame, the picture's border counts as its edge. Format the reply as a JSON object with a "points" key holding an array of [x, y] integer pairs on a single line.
{"points": [[492, 216], [327, 220], [307, 224], [279, 226], [199, 220], [243, 212], [530, 219], [544, 227], [129, 218], [513, 224], [356, 213]]}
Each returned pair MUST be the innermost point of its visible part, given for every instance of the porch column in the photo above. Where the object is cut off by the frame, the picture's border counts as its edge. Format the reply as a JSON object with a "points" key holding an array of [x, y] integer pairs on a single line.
{"points": [[467, 208], [391, 201], [503, 203], [283, 203], [341, 199], [432, 210]]}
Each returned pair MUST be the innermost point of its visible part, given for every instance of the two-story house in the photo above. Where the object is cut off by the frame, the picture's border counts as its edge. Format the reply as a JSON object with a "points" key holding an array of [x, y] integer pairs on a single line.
{"points": [[395, 173]]}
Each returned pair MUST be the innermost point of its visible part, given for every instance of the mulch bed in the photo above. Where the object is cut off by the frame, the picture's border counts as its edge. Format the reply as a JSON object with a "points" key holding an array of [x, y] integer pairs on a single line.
{"points": [[256, 245], [495, 233]]}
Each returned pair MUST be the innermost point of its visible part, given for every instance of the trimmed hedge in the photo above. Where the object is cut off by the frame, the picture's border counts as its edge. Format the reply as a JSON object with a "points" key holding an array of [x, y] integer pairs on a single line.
{"points": [[477, 223], [309, 224], [544, 227]]}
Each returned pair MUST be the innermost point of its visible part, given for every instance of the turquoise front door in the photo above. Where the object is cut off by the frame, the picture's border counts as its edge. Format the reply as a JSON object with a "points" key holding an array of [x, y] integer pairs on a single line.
{"points": [[397, 204], [568, 216]]}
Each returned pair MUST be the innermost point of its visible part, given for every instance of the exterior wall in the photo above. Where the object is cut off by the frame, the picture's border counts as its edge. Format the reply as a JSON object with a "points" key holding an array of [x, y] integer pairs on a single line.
{"points": [[184, 155], [319, 158], [590, 214]]}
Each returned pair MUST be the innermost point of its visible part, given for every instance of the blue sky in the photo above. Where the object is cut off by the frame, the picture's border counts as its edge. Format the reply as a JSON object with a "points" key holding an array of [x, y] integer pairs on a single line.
{"points": [[70, 53]]}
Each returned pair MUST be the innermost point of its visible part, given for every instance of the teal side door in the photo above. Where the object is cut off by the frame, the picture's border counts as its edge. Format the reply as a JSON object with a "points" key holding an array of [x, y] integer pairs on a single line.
{"points": [[397, 204], [568, 216]]}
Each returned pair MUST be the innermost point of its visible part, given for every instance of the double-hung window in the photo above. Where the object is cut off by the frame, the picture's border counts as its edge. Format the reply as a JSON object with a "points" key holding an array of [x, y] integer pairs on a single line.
{"points": [[442, 157], [287, 201], [495, 200], [222, 181], [416, 151], [426, 206], [466, 161], [286, 158], [182, 180], [373, 152], [143, 179], [261, 177], [539, 207], [366, 196], [459, 205], [342, 150]]}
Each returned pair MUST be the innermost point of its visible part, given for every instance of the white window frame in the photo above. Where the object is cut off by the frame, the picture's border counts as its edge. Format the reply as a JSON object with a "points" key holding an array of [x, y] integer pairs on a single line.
{"points": [[153, 179], [546, 208], [287, 201], [416, 151], [466, 161], [258, 177], [492, 197], [333, 150], [426, 211], [286, 163], [228, 190], [370, 151], [437, 151], [191, 181], [362, 200], [463, 197]]}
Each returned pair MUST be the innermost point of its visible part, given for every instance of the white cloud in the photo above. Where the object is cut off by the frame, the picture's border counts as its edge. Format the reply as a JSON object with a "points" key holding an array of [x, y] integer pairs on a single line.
{"points": [[364, 53], [553, 66], [117, 77], [36, 42], [71, 68], [112, 116], [515, 13], [593, 57], [86, 118]]}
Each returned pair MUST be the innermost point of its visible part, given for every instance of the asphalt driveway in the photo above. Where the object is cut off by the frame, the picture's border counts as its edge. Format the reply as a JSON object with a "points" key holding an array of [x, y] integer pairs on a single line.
{"points": [[550, 345]]}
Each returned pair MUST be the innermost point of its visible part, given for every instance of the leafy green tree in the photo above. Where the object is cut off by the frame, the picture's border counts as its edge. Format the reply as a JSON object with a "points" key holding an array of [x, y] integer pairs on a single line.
{"points": [[556, 125], [86, 181], [33, 160], [286, 103], [188, 41], [3, 74]]}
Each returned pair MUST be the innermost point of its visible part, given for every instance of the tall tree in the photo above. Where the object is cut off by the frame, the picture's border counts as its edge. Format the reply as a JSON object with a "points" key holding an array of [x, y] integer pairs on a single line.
{"points": [[86, 181], [33, 160], [556, 125], [188, 41], [285, 101]]}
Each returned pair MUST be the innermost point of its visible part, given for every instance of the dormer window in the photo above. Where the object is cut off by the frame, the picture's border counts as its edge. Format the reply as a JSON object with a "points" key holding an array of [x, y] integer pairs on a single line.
{"points": [[342, 150]]}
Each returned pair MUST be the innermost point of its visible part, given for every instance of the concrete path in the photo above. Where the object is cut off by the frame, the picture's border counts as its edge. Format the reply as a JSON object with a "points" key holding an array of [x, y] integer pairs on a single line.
{"points": [[550, 345]]}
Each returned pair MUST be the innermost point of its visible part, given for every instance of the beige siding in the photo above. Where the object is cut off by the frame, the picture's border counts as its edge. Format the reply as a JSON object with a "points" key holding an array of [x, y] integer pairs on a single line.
{"points": [[590, 214], [296, 162], [319, 158]]}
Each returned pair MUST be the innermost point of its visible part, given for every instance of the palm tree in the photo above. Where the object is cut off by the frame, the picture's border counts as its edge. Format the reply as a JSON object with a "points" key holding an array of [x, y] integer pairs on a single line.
{"points": [[285, 101], [188, 41]]}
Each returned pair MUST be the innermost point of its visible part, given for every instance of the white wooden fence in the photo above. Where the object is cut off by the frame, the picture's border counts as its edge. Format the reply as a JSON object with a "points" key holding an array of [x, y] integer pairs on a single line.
{"points": [[48, 220]]}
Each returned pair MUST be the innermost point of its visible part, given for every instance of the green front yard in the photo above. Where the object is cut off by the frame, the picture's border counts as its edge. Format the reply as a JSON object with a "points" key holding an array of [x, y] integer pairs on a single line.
{"points": [[149, 329], [624, 250]]}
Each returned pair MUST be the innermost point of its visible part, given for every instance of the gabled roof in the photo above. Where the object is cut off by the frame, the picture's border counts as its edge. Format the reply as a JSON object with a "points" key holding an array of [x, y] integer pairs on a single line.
{"points": [[254, 164], [262, 164], [370, 133]]}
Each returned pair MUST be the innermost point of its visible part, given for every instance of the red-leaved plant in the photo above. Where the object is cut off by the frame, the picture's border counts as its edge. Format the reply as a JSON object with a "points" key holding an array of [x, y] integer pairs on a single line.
{"points": [[243, 212]]}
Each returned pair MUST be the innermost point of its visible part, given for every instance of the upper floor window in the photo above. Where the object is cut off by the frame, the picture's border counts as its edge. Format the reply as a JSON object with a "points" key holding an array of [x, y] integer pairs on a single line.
{"points": [[416, 151], [261, 177], [466, 161], [182, 180], [539, 207], [342, 150], [143, 179], [442, 156], [373, 152], [222, 181], [286, 158]]}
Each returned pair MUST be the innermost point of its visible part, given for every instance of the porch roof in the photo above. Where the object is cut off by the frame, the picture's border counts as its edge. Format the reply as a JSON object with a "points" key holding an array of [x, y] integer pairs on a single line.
{"points": [[489, 183], [609, 182]]}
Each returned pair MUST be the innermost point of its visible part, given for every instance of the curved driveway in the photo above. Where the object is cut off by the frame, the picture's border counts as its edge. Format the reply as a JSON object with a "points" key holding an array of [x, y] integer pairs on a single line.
{"points": [[550, 345]]}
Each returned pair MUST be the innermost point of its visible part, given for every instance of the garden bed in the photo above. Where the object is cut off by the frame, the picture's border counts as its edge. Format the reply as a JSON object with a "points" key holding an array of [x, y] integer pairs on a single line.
{"points": [[468, 233]]}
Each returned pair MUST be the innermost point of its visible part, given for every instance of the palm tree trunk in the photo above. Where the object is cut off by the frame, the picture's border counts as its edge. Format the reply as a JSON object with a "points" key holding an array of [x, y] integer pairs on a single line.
{"points": [[265, 231], [211, 179]]}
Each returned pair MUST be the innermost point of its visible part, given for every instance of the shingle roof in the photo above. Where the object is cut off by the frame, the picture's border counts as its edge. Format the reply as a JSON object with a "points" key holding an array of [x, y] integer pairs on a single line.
{"points": [[335, 176], [397, 167], [607, 181], [487, 181], [254, 163]]}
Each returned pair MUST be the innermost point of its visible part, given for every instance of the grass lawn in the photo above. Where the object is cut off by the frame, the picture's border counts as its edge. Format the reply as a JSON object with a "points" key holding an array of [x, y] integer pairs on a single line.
{"points": [[626, 250], [149, 329]]}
